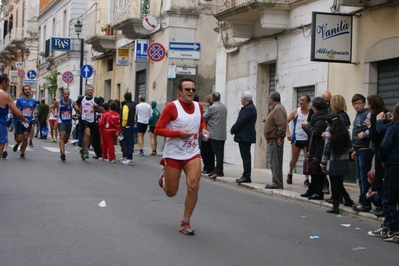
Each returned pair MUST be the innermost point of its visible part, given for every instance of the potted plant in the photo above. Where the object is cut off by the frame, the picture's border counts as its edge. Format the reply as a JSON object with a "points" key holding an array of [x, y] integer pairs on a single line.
{"points": [[108, 29]]}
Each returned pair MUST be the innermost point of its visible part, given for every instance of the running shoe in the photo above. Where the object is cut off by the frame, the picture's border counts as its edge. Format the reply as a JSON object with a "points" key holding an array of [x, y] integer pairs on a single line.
{"points": [[5, 153], [127, 162], [31, 144], [392, 237], [382, 231], [306, 183], [82, 155], [141, 153], [63, 157], [106, 160], [122, 159], [113, 161], [22, 155], [86, 154], [15, 148], [161, 179], [185, 228]]}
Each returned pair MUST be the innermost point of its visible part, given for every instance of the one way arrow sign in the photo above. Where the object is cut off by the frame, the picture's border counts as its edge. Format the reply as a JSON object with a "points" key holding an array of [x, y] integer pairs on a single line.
{"points": [[185, 46], [86, 71]]}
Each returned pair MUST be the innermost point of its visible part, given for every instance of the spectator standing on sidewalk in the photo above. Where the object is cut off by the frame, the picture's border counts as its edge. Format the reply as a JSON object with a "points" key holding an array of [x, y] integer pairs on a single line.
{"points": [[274, 132], [326, 95], [215, 117], [152, 122], [143, 113], [206, 148], [128, 116], [335, 160], [181, 123], [389, 156], [110, 127], [245, 134], [361, 153], [298, 138], [316, 127]]}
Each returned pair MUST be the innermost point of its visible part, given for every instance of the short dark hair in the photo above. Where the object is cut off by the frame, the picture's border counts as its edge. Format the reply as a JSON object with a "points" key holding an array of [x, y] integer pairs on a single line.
{"points": [[128, 96], [3, 77], [215, 96], [180, 84], [141, 98], [113, 106], [319, 103], [358, 97], [307, 97], [105, 106]]}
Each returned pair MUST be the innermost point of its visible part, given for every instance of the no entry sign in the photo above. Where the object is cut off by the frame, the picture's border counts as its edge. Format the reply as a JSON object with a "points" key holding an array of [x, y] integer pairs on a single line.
{"points": [[156, 52]]}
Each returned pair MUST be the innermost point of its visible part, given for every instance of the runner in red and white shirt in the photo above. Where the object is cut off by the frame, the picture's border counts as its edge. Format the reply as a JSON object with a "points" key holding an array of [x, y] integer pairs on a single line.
{"points": [[181, 122]]}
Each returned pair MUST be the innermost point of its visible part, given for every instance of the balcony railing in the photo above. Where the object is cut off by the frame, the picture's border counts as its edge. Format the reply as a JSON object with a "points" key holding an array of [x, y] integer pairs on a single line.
{"points": [[96, 20], [16, 34], [226, 4], [124, 10]]}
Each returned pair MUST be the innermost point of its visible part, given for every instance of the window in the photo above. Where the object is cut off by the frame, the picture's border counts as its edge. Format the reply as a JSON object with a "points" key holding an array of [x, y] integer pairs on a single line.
{"points": [[110, 64]]}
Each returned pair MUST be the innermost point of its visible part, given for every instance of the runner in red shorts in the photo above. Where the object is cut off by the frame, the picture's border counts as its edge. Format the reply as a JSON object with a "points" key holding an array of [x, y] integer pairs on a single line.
{"points": [[181, 122]]}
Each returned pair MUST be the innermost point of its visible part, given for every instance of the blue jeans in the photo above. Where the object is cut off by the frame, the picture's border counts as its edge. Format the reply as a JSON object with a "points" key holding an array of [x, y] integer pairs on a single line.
{"points": [[390, 197], [128, 138], [363, 161]]}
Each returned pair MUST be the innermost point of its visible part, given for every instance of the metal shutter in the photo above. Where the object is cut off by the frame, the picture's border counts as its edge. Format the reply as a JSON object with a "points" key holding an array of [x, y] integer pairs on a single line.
{"points": [[388, 82]]}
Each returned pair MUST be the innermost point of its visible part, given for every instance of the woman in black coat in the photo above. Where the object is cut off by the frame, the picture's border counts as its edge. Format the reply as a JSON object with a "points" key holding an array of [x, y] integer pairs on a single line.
{"points": [[316, 126]]}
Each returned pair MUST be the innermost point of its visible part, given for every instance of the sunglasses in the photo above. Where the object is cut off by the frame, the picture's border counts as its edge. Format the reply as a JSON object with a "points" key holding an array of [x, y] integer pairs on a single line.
{"points": [[190, 89]]}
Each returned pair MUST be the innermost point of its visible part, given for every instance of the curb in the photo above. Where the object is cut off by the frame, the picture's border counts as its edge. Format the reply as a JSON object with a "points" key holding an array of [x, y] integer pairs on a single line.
{"points": [[290, 195]]}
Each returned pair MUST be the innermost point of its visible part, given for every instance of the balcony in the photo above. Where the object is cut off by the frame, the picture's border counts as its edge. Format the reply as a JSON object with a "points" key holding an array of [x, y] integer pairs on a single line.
{"points": [[12, 43], [253, 18], [95, 24], [368, 3], [128, 17]]}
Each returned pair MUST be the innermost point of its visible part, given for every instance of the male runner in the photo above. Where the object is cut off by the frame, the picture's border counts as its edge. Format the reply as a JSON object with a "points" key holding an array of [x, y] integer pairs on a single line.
{"points": [[181, 122], [26, 104], [6, 103], [88, 105], [62, 111]]}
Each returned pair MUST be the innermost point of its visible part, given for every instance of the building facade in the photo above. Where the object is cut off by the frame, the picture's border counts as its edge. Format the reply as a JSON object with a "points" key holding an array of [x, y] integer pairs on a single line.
{"points": [[266, 46]]}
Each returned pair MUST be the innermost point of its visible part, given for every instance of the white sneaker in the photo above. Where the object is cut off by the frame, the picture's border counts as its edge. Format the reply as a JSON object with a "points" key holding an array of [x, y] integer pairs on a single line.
{"points": [[128, 162], [122, 159], [100, 158], [105, 160], [112, 161]]}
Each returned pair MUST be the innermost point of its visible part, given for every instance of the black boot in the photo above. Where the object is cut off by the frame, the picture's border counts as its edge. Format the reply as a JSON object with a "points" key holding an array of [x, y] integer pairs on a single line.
{"points": [[335, 208]]}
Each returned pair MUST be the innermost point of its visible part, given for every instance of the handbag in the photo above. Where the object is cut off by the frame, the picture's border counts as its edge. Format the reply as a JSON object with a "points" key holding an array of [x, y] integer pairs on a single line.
{"points": [[311, 164]]}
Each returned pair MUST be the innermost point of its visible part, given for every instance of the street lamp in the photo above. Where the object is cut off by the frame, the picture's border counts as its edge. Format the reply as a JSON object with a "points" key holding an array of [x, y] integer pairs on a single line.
{"points": [[78, 30]]}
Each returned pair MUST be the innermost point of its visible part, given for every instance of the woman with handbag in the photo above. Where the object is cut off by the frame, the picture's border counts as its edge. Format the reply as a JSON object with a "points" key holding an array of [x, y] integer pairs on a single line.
{"points": [[335, 161], [314, 130]]}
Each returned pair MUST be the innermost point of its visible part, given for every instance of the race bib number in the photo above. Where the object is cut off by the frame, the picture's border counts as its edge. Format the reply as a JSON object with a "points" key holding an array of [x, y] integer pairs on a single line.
{"points": [[87, 114], [27, 112], [188, 144], [66, 115]]}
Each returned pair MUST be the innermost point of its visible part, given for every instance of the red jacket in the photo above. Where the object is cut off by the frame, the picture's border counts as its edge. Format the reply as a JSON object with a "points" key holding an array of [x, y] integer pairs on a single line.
{"points": [[110, 121]]}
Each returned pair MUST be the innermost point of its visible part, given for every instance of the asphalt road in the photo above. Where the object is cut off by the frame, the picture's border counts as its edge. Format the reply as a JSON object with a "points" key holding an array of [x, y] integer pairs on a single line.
{"points": [[50, 215]]}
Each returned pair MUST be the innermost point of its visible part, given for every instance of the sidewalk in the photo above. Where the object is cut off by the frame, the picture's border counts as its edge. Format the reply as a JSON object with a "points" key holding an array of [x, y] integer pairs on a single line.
{"points": [[261, 177]]}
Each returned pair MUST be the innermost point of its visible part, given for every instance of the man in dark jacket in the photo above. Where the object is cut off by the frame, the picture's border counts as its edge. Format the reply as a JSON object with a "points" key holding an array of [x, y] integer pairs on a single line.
{"points": [[245, 134], [42, 115], [128, 114]]}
